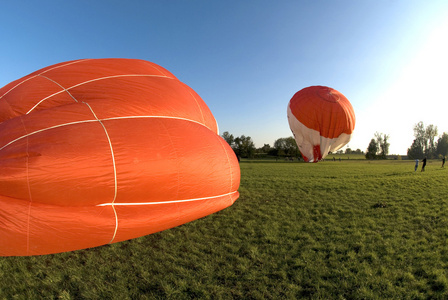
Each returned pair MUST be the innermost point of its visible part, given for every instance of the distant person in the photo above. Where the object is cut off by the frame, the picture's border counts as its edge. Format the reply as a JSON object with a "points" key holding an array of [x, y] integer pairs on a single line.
{"points": [[443, 161], [424, 165], [416, 165]]}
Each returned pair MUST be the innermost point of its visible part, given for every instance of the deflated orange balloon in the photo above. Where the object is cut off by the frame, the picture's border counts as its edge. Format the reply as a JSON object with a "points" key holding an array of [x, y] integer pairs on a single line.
{"points": [[322, 121], [98, 151]]}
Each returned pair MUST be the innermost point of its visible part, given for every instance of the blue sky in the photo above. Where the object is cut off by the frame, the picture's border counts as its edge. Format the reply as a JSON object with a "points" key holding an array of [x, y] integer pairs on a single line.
{"points": [[246, 59]]}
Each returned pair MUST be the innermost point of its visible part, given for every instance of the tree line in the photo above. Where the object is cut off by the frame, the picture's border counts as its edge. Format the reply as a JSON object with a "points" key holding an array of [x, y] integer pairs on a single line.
{"points": [[243, 146], [426, 144]]}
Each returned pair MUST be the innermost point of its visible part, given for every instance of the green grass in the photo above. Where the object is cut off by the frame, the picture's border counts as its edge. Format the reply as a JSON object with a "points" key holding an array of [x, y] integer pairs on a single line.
{"points": [[333, 230]]}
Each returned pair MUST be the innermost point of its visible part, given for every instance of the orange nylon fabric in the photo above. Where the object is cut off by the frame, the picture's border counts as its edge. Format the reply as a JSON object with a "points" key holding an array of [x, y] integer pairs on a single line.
{"points": [[98, 151], [323, 109]]}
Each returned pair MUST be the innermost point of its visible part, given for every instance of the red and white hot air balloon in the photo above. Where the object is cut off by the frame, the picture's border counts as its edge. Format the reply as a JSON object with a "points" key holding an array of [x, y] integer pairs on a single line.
{"points": [[98, 151], [322, 121]]}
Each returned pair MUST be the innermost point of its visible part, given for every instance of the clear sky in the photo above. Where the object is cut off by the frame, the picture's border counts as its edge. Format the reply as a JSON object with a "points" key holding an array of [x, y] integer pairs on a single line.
{"points": [[246, 59]]}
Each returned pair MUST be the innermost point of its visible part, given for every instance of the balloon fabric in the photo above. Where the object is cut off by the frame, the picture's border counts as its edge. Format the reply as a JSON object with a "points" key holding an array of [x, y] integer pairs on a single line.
{"points": [[98, 151], [322, 121]]}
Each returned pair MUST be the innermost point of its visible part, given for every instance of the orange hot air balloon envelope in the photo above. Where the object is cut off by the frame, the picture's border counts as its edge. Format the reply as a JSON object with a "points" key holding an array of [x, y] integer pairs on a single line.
{"points": [[321, 119], [98, 151]]}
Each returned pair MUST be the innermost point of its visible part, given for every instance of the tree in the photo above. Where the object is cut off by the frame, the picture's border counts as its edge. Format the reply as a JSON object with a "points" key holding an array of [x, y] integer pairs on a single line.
{"points": [[228, 138], [351, 151], [431, 133], [244, 146], [442, 145], [280, 146], [383, 145], [287, 147], [265, 149], [416, 150], [423, 144], [378, 147], [372, 149]]}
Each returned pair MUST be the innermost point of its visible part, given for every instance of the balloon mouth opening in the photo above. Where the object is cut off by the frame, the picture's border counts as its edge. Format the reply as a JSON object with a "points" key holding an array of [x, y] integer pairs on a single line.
{"points": [[328, 94], [317, 156]]}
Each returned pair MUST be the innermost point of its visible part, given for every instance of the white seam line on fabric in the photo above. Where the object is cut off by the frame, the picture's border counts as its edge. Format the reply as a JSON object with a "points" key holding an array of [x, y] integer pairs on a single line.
{"points": [[57, 67], [166, 202], [96, 120], [59, 86], [116, 223], [115, 171], [92, 80]]}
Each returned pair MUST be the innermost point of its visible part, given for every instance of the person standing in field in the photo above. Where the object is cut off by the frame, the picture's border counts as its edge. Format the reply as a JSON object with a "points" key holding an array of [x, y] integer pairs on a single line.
{"points": [[443, 161], [424, 165], [416, 165]]}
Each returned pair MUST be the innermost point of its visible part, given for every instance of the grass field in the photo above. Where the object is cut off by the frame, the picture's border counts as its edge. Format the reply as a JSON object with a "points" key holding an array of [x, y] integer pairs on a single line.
{"points": [[353, 229]]}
